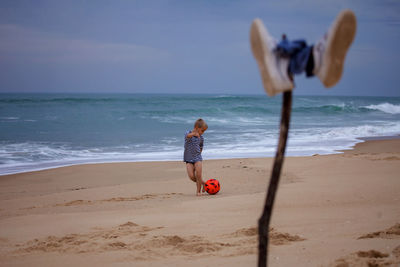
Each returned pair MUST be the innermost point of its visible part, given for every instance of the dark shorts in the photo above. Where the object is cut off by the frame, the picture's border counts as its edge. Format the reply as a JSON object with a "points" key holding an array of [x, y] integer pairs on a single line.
{"points": [[191, 162]]}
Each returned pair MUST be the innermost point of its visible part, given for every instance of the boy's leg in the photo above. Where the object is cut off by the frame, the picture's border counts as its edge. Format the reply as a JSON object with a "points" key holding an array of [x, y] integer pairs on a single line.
{"points": [[198, 166], [190, 171]]}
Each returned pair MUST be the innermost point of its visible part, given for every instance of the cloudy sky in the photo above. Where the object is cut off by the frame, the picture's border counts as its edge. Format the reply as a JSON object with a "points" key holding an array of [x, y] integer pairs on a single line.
{"points": [[183, 46]]}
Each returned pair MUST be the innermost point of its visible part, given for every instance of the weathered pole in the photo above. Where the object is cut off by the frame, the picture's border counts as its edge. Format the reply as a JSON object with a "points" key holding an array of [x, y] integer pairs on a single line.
{"points": [[263, 222]]}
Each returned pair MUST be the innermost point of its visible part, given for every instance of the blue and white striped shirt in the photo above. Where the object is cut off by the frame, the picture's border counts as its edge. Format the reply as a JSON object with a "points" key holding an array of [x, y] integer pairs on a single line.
{"points": [[193, 147]]}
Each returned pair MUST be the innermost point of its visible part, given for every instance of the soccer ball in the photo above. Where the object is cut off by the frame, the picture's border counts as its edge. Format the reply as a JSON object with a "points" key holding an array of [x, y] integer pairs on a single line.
{"points": [[212, 186]]}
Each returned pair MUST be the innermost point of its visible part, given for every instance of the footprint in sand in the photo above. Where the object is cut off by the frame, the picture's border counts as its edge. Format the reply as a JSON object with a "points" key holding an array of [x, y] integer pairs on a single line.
{"points": [[390, 233], [374, 156], [396, 252], [98, 241], [368, 258], [245, 240], [143, 243], [374, 257], [75, 203], [191, 245], [77, 188], [116, 199], [288, 178], [276, 238], [128, 236]]}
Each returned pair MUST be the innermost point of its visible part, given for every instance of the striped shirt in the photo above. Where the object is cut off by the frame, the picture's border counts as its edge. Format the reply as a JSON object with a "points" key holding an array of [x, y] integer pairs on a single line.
{"points": [[193, 147]]}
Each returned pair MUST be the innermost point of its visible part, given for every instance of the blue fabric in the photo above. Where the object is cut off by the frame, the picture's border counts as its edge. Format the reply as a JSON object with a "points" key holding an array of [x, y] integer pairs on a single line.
{"points": [[193, 148], [298, 51]]}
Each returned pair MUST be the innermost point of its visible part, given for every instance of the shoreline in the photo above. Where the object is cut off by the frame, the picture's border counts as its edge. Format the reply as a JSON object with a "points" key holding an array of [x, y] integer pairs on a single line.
{"points": [[329, 209], [88, 162]]}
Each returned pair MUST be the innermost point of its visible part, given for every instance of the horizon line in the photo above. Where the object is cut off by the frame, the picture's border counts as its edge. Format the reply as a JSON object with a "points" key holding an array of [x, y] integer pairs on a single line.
{"points": [[186, 93]]}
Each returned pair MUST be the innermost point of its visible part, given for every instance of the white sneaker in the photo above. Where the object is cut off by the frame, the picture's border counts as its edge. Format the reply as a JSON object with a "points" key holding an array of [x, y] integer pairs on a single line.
{"points": [[273, 69], [330, 51]]}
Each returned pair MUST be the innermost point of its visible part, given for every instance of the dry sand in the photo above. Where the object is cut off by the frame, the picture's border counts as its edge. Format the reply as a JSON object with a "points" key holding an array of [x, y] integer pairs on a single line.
{"points": [[333, 210]]}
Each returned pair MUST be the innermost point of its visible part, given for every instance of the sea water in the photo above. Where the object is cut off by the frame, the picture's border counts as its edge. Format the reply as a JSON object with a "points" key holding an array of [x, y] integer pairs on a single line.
{"points": [[39, 131]]}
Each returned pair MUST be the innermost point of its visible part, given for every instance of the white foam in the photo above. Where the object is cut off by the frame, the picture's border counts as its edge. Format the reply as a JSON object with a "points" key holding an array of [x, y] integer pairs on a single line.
{"points": [[225, 96], [244, 142], [74, 157], [385, 107], [9, 118]]}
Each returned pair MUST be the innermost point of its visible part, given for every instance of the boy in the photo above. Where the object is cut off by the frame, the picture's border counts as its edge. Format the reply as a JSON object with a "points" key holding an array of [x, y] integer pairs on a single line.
{"points": [[279, 62], [194, 142]]}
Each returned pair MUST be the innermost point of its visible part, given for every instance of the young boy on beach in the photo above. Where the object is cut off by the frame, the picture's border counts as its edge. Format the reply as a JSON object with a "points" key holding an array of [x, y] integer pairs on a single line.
{"points": [[194, 142], [278, 62]]}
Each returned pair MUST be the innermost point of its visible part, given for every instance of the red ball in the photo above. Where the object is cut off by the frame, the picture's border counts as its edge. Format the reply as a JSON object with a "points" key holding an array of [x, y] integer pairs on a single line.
{"points": [[212, 186]]}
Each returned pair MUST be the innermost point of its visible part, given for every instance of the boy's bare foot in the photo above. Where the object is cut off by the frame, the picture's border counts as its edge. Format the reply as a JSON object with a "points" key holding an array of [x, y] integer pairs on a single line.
{"points": [[199, 194]]}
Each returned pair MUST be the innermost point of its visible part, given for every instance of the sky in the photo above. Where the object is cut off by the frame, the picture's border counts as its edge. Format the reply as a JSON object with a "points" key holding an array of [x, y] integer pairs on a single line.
{"points": [[185, 46]]}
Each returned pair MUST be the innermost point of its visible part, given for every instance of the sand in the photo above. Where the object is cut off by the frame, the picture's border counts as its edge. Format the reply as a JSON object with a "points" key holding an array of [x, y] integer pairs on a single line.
{"points": [[331, 210]]}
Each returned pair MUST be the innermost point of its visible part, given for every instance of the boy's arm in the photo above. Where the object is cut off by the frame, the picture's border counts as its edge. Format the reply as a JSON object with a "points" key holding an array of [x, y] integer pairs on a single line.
{"points": [[191, 134], [201, 144]]}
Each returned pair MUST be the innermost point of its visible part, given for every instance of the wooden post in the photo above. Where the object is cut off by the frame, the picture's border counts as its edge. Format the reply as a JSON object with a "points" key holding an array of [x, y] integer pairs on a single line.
{"points": [[263, 222]]}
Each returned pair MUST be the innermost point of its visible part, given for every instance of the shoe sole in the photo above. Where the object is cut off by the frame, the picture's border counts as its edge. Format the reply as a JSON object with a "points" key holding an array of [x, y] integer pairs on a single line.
{"points": [[273, 80], [257, 31], [341, 39]]}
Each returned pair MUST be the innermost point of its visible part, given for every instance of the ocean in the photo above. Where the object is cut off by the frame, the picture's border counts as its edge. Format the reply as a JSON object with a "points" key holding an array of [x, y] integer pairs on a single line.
{"points": [[39, 131]]}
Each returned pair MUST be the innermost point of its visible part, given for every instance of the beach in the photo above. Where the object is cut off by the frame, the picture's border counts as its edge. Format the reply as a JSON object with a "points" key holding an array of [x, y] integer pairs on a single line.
{"points": [[330, 210]]}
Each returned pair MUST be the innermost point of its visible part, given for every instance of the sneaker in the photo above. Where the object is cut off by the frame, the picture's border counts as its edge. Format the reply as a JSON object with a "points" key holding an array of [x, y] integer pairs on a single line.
{"points": [[273, 69], [330, 51]]}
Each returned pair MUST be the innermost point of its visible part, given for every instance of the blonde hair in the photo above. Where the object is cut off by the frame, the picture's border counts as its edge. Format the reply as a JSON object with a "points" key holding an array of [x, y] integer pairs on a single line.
{"points": [[200, 123]]}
